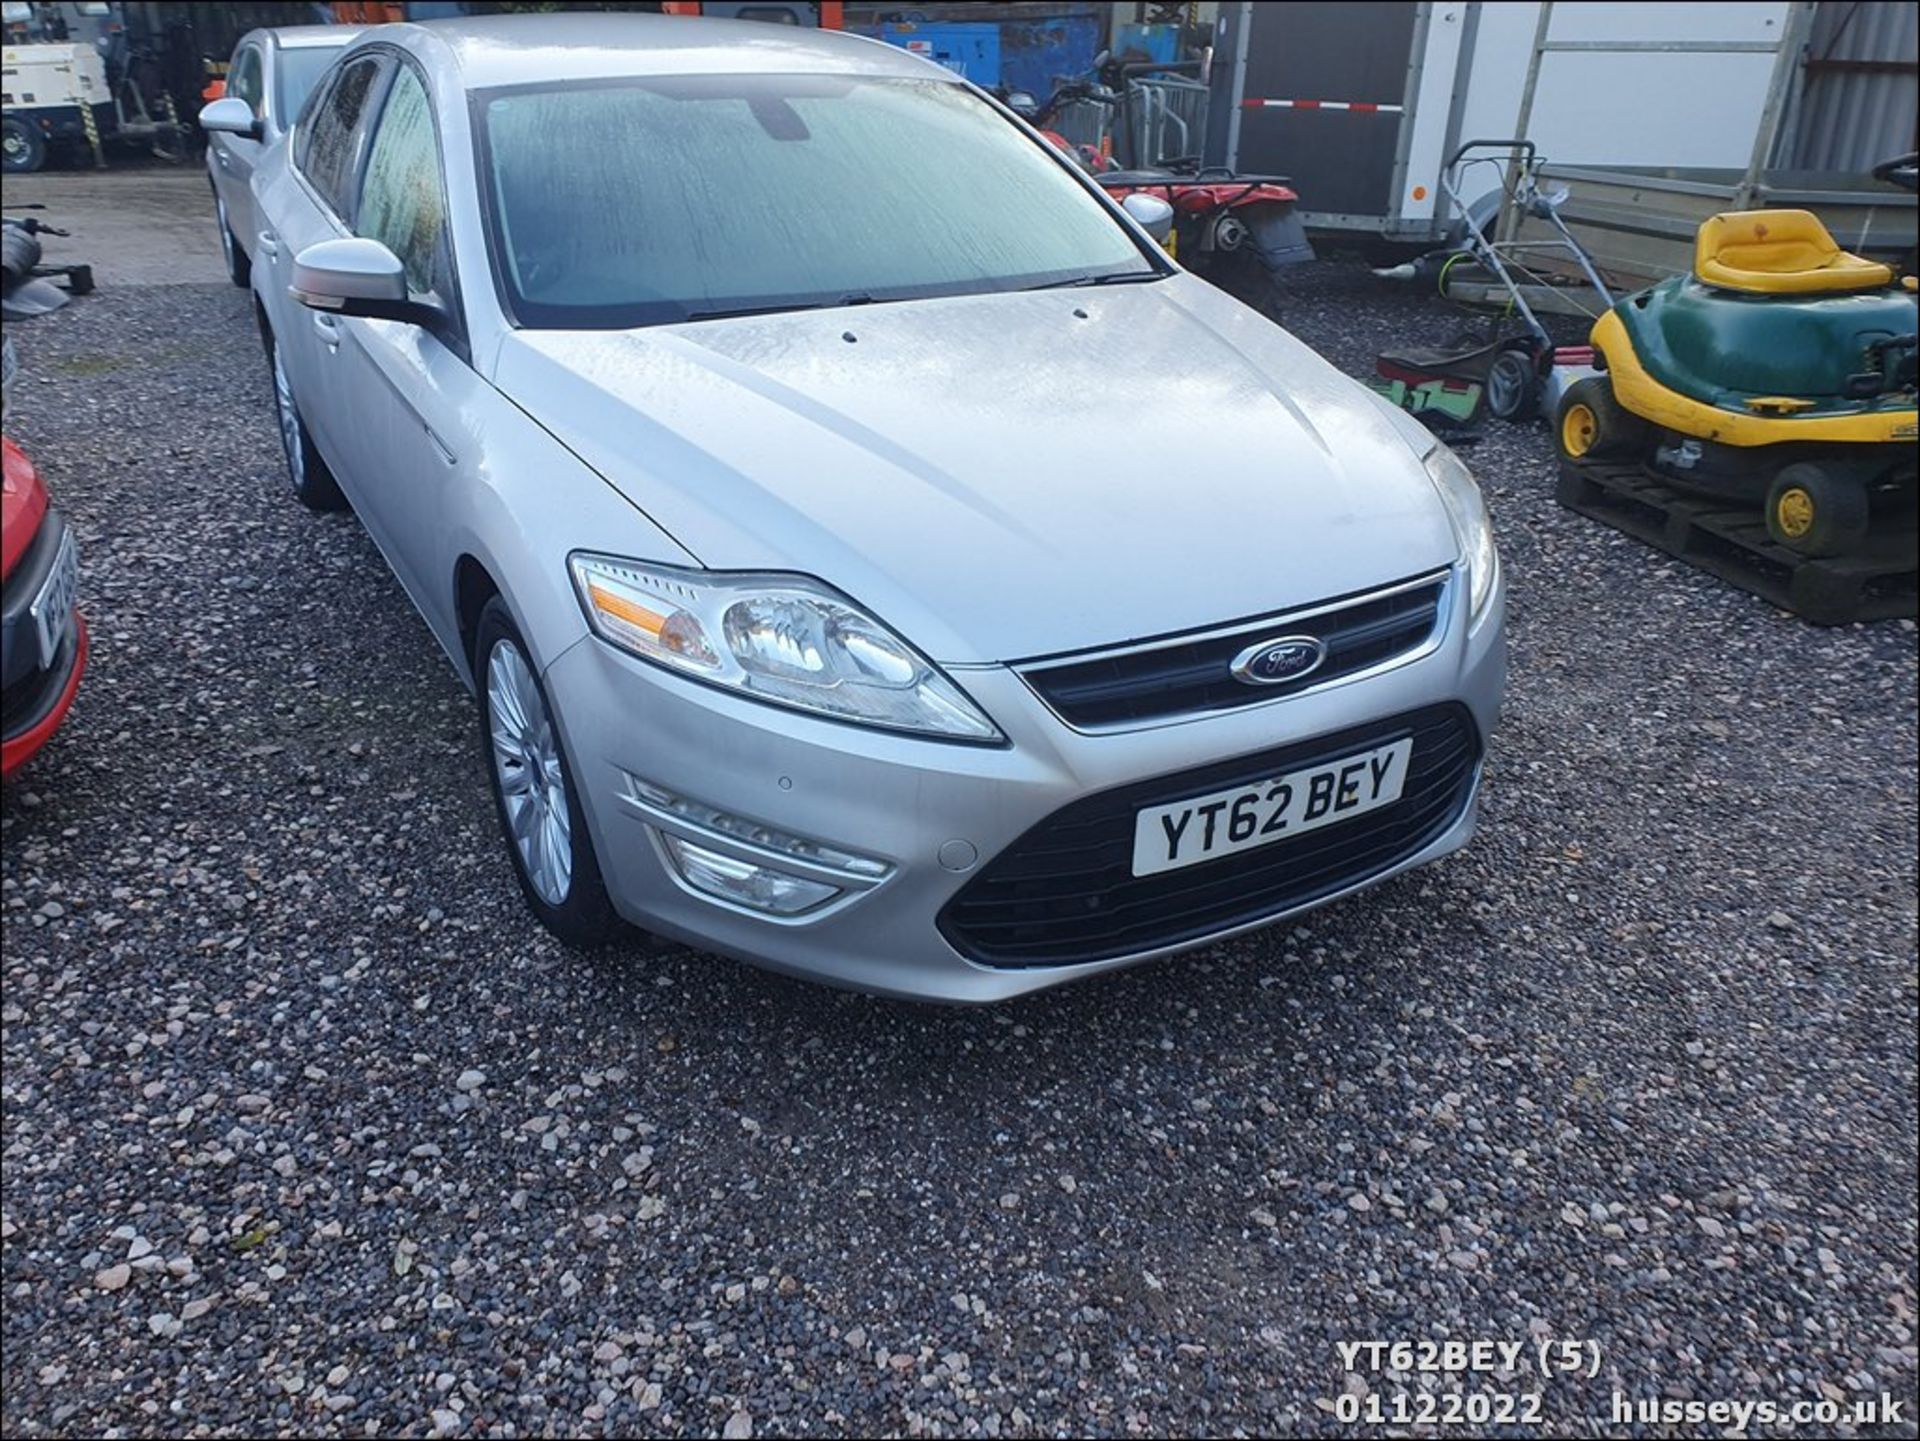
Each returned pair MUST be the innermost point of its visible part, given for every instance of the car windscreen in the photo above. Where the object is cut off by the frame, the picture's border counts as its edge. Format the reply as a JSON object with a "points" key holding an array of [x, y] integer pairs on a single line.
{"points": [[650, 201], [300, 70]]}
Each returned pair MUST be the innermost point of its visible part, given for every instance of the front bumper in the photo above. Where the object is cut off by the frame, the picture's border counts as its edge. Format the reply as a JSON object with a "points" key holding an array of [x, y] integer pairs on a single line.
{"points": [[937, 814], [34, 699]]}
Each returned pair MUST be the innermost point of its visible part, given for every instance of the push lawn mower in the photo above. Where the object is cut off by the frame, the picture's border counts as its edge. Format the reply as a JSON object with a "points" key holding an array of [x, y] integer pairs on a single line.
{"points": [[1510, 360], [1780, 372]]}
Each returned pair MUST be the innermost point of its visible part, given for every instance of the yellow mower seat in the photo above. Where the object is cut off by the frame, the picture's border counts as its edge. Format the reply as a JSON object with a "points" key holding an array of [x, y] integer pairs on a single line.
{"points": [[1779, 252]]}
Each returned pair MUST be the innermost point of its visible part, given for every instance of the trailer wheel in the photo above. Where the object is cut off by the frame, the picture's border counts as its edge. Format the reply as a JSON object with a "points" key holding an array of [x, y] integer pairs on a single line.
{"points": [[21, 147], [1814, 511], [1592, 424]]}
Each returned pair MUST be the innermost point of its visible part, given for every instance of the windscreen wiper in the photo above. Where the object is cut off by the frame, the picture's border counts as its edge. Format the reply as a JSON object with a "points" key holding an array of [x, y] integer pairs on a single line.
{"points": [[1124, 277], [860, 298]]}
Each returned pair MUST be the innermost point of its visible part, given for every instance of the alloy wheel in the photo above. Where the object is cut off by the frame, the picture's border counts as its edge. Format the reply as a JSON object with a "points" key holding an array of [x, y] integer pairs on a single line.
{"points": [[526, 762], [289, 421], [226, 232]]}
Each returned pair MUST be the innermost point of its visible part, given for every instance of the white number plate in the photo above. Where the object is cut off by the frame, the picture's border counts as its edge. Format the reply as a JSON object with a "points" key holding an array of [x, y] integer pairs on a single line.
{"points": [[52, 609], [1210, 826]]}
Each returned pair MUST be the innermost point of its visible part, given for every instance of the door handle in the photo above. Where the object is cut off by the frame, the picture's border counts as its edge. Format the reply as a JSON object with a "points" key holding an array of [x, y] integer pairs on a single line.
{"points": [[220, 159], [446, 451], [329, 329], [268, 245]]}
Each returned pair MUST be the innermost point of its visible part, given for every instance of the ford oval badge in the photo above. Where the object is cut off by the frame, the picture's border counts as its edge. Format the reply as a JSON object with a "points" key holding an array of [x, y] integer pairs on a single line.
{"points": [[1275, 662]]}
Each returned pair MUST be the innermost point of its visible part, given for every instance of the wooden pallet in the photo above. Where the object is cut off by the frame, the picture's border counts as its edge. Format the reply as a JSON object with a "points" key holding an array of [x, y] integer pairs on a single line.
{"points": [[1732, 542]]}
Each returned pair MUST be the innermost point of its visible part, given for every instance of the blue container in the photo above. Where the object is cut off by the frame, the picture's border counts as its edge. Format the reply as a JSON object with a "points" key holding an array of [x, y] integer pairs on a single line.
{"points": [[1034, 53], [969, 50], [1155, 42]]}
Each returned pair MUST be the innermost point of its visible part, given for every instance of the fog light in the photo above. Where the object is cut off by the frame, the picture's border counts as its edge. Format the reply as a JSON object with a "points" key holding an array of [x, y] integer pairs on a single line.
{"points": [[659, 799], [744, 883]]}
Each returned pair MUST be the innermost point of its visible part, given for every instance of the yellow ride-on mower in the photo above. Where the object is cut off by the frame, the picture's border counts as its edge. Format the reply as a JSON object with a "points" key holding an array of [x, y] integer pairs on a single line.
{"points": [[1780, 374]]}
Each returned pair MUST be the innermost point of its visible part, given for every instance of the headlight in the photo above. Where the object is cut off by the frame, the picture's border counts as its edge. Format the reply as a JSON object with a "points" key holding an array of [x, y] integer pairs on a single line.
{"points": [[779, 638], [1467, 509]]}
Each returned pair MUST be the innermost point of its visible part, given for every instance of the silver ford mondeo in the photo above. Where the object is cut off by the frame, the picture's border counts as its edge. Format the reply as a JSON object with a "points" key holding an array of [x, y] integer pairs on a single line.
{"points": [[872, 556]]}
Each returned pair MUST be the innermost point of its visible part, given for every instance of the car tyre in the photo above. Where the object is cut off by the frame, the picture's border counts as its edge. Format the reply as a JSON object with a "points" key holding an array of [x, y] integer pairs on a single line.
{"points": [[22, 148], [313, 484], [239, 266], [541, 819], [1816, 512]]}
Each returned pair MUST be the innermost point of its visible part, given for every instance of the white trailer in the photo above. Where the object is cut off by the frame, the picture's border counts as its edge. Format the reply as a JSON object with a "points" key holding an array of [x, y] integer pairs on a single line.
{"points": [[1363, 104]]}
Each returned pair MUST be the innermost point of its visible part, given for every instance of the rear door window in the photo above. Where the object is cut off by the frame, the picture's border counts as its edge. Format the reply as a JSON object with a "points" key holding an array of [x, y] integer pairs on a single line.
{"points": [[301, 140], [332, 152]]}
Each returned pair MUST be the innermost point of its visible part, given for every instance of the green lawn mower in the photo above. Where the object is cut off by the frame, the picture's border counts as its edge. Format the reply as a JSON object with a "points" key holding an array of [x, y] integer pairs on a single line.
{"points": [[1779, 373]]}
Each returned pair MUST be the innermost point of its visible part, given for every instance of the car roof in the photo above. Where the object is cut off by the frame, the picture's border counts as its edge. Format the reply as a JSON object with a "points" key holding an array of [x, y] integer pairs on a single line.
{"points": [[498, 50], [304, 37]]}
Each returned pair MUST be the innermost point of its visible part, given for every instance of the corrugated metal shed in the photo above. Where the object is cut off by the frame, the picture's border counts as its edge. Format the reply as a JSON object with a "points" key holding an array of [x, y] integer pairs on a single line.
{"points": [[1860, 88]]}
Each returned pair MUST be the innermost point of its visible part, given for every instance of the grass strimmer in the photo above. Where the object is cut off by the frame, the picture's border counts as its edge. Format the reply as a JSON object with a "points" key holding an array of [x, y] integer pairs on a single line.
{"points": [[1779, 373]]}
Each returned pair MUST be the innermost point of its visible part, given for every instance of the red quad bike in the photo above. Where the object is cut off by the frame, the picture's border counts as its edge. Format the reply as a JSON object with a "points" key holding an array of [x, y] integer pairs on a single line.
{"points": [[1239, 231], [43, 640], [1043, 116]]}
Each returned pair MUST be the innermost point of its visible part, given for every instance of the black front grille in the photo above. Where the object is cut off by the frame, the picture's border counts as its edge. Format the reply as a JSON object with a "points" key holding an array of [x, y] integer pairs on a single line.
{"points": [[1185, 677], [1065, 891], [25, 702], [19, 645]]}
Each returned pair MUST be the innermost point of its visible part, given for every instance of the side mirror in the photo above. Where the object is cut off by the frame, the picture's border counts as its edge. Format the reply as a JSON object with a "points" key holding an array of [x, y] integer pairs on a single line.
{"points": [[357, 277], [1154, 215], [1022, 103], [230, 115]]}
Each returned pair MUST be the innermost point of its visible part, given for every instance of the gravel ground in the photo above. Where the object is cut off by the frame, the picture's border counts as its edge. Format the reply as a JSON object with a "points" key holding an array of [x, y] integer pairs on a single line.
{"points": [[308, 1130]]}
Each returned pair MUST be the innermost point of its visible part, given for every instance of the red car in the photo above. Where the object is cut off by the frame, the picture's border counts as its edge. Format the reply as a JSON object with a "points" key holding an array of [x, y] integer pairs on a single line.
{"points": [[43, 640]]}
